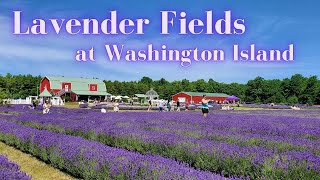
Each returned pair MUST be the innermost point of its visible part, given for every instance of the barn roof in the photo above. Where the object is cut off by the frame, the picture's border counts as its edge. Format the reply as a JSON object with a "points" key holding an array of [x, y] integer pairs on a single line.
{"points": [[77, 84], [45, 93], [207, 94], [91, 93]]}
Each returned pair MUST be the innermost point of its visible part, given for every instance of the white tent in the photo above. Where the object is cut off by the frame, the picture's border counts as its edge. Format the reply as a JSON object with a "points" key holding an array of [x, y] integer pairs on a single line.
{"points": [[118, 97]]}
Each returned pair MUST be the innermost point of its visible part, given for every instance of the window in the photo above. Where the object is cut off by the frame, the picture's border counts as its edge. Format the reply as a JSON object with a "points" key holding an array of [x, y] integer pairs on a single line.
{"points": [[66, 88], [93, 87]]}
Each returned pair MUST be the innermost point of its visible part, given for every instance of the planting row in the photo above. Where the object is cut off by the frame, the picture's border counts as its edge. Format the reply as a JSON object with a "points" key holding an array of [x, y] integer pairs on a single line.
{"points": [[126, 131], [278, 133], [92, 160], [10, 170]]}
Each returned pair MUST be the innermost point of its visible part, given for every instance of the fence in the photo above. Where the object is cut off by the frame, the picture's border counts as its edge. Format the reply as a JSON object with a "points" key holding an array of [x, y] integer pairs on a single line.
{"points": [[56, 101]]}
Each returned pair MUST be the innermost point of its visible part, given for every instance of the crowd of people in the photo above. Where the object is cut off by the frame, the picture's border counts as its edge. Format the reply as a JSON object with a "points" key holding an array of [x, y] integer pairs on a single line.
{"points": [[169, 106], [45, 106], [162, 105]]}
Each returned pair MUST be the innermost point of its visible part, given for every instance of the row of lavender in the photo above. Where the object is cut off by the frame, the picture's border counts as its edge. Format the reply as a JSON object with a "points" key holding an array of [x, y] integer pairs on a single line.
{"points": [[283, 106], [10, 170], [289, 113], [92, 160], [187, 138], [301, 134]]}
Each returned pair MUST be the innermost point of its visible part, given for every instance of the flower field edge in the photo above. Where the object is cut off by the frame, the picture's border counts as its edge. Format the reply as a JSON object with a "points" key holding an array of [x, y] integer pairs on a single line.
{"points": [[229, 166], [81, 166]]}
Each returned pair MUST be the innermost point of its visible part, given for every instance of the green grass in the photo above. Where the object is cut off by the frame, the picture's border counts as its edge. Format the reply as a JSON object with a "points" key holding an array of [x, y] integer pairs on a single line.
{"points": [[71, 105], [248, 108], [38, 170]]}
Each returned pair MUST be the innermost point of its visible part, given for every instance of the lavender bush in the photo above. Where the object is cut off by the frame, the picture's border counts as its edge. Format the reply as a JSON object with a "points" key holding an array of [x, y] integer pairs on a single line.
{"points": [[234, 144], [10, 170], [92, 160]]}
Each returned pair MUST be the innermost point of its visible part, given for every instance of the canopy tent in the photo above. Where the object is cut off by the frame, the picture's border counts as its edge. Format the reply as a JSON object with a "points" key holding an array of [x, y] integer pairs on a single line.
{"points": [[118, 97], [233, 98]]}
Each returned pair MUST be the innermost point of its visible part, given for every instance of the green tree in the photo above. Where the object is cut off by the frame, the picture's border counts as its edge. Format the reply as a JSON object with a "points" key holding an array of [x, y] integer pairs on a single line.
{"points": [[201, 85], [297, 85], [310, 91], [146, 80], [293, 100], [3, 94], [254, 90]]}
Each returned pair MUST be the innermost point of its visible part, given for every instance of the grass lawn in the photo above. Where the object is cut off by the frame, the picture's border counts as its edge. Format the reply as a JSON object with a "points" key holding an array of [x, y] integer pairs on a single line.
{"points": [[32, 166], [247, 108], [71, 105]]}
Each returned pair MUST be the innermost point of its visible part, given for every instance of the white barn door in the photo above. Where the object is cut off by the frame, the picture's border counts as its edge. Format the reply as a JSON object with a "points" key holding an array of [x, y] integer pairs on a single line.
{"points": [[182, 99]]}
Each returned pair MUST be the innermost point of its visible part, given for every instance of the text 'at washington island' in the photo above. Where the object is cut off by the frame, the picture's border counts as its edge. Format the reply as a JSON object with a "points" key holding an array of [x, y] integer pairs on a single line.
{"points": [[186, 56]]}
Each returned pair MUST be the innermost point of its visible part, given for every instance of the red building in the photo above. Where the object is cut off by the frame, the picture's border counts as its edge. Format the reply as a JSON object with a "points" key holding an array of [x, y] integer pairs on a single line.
{"points": [[77, 88], [195, 97]]}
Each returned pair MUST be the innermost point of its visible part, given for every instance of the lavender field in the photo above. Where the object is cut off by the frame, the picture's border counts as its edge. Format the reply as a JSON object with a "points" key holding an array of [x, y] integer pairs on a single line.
{"points": [[263, 144], [10, 170]]}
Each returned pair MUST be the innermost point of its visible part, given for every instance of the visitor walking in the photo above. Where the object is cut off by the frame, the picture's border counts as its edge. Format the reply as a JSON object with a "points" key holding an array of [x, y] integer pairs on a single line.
{"points": [[34, 104], [178, 105], [187, 106], [161, 103], [46, 107], [169, 106], [205, 106], [116, 106], [150, 105]]}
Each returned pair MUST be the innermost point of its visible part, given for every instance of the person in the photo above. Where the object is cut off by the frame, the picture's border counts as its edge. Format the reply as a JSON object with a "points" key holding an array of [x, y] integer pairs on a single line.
{"points": [[34, 104], [46, 107], [169, 106], [150, 105], [178, 105], [30, 106], [160, 105], [295, 108], [116, 106], [205, 106], [103, 110], [187, 106]]}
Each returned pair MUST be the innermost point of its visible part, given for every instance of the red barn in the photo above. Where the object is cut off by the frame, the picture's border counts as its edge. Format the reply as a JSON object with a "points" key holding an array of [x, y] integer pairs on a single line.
{"points": [[77, 88], [196, 97]]}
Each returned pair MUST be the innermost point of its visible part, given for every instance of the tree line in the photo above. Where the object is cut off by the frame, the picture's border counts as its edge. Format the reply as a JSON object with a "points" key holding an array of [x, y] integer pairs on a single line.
{"points": [[293, 90]]}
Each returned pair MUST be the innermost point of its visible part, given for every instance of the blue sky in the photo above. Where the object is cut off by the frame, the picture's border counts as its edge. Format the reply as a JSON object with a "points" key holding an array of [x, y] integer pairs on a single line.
{"points": [[269, 24]]}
